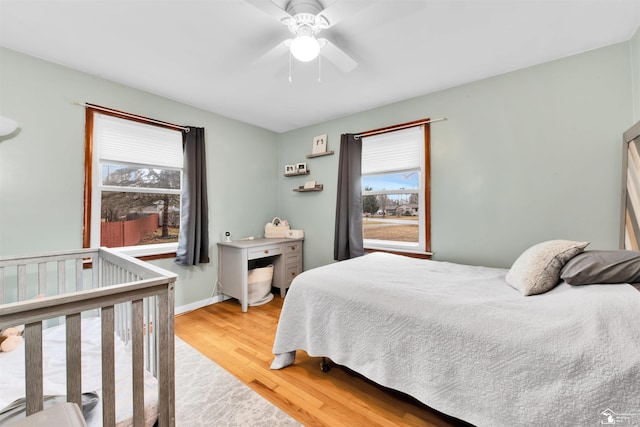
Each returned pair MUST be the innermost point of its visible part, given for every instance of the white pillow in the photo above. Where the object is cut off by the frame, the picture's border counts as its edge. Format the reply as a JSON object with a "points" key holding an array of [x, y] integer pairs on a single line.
{"points": [[537, 269]]}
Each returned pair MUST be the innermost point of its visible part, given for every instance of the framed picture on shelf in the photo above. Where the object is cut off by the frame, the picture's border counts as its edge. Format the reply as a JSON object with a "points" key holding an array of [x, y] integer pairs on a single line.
{"points": [[289, 169], [319, 144], [301, 167]]}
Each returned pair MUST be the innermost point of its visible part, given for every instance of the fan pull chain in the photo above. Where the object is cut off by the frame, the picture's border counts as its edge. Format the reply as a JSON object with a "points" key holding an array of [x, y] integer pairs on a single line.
{"points": [[319, 69], [289, 65]]}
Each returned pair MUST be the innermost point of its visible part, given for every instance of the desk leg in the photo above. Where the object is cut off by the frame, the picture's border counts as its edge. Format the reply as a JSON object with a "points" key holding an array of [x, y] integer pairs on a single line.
{"points": [[244, 283], [245, 302], [232, 273], [283, 291]]}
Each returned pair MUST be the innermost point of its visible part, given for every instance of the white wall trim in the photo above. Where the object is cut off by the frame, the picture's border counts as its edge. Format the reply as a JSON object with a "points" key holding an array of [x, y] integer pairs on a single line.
{"points": [[199, 304]]}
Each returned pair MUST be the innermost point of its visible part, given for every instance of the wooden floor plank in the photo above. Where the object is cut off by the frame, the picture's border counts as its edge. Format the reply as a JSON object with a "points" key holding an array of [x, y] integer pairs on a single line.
{"points": [[241, 344]]}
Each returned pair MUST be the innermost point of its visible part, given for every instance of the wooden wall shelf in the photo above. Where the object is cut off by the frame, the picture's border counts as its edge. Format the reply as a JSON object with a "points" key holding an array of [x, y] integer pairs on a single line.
{"points": [[301, 189], [326, 153], [298, 173]]}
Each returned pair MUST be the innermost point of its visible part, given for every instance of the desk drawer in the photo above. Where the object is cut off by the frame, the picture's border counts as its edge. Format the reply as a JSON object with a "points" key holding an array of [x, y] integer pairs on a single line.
{"points": [[293, 259], [264, 251], [294, 247], [292, 272]]}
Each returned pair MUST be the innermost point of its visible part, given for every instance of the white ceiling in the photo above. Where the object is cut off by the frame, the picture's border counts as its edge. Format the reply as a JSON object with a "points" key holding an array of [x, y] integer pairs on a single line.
{"points": [[203, 53]]}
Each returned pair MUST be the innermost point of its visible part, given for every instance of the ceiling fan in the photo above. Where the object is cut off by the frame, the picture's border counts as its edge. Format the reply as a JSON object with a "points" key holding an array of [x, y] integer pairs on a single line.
{"points": [[305, 20]]}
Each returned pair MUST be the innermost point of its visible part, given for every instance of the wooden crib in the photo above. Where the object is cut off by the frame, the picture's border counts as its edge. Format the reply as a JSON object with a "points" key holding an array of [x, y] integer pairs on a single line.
{"points": [[134, 301]]}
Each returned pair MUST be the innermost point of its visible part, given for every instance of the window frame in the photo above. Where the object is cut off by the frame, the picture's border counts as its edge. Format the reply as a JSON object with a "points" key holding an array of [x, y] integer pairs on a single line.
{"points": [[144, 252], [424, 200]]}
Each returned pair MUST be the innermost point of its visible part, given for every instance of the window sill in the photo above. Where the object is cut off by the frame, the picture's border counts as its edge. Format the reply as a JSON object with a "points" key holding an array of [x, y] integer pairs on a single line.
{"points": [[412, 254], [149, 252]]}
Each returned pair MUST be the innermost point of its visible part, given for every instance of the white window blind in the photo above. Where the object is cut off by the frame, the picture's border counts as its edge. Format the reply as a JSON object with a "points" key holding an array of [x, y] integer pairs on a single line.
{"points": [[126, 141], [395, 151]]}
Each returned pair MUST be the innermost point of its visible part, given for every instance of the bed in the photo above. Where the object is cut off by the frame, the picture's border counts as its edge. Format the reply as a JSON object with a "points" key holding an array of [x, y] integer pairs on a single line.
{"points": [[463, 341], [98, 331]]}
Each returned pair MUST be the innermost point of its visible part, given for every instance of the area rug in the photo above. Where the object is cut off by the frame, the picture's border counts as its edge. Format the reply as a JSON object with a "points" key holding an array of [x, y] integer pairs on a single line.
{"points": [[207, 395]]}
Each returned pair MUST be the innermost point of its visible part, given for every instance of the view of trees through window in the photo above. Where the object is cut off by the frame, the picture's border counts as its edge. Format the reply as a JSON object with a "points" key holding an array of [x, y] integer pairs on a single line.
{"points": [[390, 207], [141, 200]]}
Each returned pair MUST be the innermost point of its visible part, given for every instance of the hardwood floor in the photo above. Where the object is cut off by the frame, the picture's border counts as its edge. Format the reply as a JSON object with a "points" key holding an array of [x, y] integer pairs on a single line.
{"points": [[241, 343]]}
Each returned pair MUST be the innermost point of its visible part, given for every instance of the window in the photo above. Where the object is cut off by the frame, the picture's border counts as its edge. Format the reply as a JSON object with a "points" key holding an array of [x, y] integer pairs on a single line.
{"points": [[395, 190], [133, 176]]}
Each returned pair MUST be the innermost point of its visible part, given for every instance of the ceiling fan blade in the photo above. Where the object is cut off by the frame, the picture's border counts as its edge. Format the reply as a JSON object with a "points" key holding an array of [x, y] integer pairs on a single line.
{"points": [[270, 9], [341, 9], [337, 56], [275, 52]]}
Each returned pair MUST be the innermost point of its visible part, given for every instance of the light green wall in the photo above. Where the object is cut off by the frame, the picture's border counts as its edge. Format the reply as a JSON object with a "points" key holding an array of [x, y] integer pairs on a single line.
{"points": [[42, 168], [524, 157], [634, 47]]}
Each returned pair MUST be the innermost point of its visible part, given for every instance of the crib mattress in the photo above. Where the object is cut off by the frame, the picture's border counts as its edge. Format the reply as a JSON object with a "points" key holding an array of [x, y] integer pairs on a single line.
{"points": [[12, 373]]}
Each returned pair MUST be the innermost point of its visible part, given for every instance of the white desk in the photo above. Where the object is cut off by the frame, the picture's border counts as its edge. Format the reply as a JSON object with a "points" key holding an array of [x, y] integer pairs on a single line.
{"points": [[234, 260]]}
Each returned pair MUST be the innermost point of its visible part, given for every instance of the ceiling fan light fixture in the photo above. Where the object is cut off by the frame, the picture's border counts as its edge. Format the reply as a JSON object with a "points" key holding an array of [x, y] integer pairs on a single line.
{"points": [[305, 48]]}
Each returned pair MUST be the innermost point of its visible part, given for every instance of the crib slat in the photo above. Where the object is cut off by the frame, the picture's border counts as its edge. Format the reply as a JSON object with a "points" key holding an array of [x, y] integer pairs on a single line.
{"points": [[118, 322], [166, 415], [61, 278], [22, 282], [74, 359], [126, 316], [33, 367], [79, 269], [163, 360], [108, 374], [42, 278], [148, 349], [170, 302], [106, 274], [96, 262], [154, 321], [137, 360]]}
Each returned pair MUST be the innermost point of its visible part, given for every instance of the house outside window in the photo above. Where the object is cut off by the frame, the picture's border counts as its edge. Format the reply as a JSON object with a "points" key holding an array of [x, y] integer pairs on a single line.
{"points": [[135, 175], [395, 193]]}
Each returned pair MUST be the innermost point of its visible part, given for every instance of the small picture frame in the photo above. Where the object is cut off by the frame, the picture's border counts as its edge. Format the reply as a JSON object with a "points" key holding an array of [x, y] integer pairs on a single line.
{"points": [[319, 144], [289, 169], [301, 167], [310, 184]]}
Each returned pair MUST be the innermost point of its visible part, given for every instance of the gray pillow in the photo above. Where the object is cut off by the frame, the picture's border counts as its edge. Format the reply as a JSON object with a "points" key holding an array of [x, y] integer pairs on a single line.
{"points": [[602, 267], [537, 269]]}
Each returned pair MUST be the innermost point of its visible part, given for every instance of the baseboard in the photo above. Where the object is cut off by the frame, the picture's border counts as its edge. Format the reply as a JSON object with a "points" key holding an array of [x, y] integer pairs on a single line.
{"points": [[199, 304]]}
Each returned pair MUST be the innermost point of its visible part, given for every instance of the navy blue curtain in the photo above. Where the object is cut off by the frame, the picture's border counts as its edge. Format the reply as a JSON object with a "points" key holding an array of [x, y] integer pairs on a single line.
{"points": [[193, 243]]}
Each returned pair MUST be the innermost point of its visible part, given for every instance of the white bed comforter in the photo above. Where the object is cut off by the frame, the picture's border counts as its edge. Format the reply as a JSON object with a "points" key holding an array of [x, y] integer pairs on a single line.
{"points": [[460, 340]]}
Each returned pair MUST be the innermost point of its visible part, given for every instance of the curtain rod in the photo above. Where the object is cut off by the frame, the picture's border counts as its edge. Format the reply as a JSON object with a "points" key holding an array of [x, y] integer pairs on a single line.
{"points": [[398, 127], [134, 116]]}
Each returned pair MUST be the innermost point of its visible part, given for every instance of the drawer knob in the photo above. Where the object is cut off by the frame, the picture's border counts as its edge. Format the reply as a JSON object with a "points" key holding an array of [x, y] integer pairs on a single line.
{"points": [[293, 274], [266, 251], [293, 248]]}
